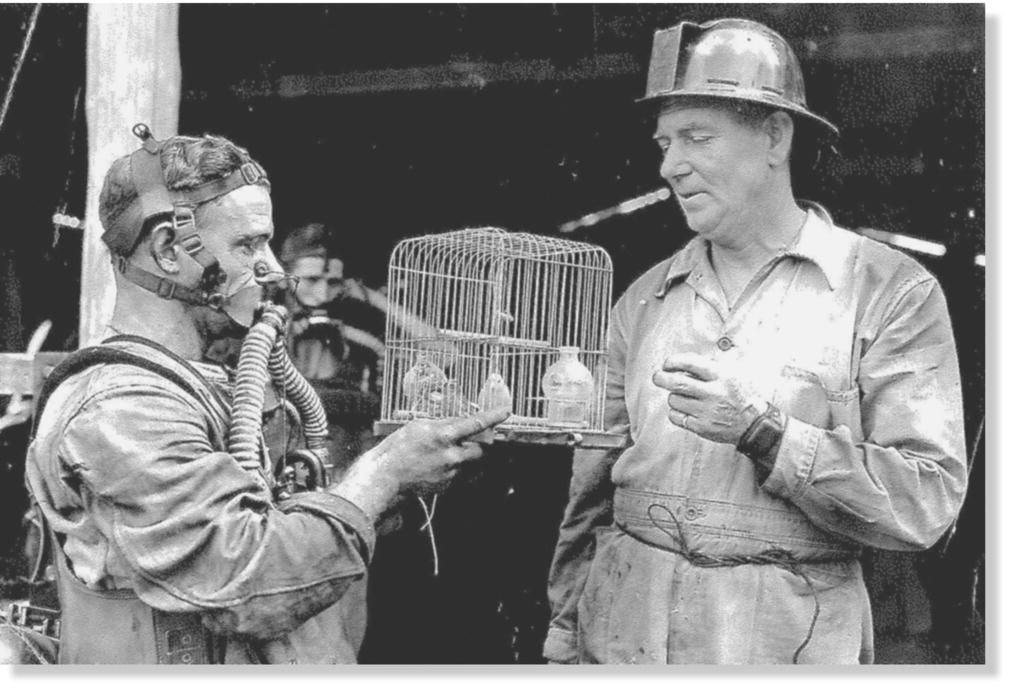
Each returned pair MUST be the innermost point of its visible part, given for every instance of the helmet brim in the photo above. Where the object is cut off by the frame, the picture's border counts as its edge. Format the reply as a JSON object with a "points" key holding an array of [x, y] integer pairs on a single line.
{"points": [[825, 126]]}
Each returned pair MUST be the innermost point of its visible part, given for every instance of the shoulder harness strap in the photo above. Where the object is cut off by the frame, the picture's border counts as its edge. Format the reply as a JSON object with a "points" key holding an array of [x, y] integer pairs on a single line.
{"points": [[97, 355], [179, 638]]}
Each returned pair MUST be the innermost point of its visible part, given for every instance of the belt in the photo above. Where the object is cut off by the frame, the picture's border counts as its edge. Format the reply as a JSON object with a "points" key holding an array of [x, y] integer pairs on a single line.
{"points": [[712, 528]]}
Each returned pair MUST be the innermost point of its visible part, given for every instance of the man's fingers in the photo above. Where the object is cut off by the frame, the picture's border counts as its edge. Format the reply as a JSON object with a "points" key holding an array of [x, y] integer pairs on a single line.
{"points": [[470, 451], [678, 383], [692, 407], [459, 428], [683, 420], [693, 364]]}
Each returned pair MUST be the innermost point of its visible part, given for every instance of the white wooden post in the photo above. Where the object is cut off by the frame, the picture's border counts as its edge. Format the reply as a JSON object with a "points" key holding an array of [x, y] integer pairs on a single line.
{"points": [[133, 75]]}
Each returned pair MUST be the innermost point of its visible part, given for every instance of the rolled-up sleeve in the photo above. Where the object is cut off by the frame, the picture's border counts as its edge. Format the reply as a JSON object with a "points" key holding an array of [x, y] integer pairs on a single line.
{"points": [[194, 530], [901, 486], [589, 507]]}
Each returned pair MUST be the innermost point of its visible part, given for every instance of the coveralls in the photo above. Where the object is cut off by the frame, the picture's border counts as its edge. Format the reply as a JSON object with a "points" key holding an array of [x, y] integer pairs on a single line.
{"points": [[674, 549]]}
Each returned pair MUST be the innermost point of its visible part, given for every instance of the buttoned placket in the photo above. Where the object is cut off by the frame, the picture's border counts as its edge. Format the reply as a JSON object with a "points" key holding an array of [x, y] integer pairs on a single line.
{"points": [[704, 282]]}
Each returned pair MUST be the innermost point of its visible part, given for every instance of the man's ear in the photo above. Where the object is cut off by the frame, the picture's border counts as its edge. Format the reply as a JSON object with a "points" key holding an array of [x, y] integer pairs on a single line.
{"points": [[164, 248], [780, 130]]}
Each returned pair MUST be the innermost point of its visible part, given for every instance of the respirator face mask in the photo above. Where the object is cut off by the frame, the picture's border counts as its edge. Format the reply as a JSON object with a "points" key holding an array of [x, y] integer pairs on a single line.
{"points": [[318, 282], [244, 292], [236, 295]]}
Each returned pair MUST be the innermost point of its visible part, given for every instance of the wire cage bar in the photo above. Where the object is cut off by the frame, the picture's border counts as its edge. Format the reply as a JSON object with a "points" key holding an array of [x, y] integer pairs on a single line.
{"points": [[477, 317]]}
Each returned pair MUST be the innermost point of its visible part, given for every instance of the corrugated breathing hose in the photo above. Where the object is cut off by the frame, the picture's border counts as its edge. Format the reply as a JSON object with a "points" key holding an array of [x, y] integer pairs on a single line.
{"points": [[262, 355], [301, 394]]}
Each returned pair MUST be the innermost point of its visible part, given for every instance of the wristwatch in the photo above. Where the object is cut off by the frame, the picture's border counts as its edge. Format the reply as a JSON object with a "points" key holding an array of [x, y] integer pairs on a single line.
{"points": [[762, 439]]}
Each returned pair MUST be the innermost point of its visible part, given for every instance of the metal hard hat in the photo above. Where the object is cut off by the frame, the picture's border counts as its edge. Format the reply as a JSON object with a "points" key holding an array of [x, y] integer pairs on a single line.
{"points": [[728, 58]]}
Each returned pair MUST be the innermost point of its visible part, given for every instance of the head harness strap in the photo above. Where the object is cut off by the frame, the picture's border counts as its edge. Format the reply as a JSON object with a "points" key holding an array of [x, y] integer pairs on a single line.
{"points": [[161, 286], [146, 171], [156, 199]]}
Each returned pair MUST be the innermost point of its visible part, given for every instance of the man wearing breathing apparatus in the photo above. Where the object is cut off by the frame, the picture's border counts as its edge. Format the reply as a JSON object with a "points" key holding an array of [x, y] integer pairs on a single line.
{"points": [[175, 537]]}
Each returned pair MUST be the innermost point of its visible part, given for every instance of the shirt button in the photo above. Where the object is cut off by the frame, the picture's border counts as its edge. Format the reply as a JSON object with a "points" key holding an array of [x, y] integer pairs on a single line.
{"points": [[725, 343]]}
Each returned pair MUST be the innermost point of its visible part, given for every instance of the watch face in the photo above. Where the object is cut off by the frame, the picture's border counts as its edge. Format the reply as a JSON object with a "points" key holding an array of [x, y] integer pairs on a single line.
{"points": [[761, 440]]}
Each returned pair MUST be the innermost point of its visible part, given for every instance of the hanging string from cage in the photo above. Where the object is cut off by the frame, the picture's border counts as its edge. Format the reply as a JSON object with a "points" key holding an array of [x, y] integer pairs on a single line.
{"points": [[33, 20], [774, 556], [430, 512]]}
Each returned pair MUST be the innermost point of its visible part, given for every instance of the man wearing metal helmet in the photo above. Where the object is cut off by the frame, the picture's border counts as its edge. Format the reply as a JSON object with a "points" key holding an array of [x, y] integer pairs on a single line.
{"points": [[168, 548], [790, 390]]}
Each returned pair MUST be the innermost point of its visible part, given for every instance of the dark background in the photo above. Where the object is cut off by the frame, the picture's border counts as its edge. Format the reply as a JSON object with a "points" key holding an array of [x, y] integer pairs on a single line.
{"points": [[390, 121]]}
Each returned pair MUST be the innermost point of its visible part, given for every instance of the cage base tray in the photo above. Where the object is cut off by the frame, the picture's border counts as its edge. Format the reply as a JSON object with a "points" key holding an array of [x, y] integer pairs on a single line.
{"points": [[514, 434]]}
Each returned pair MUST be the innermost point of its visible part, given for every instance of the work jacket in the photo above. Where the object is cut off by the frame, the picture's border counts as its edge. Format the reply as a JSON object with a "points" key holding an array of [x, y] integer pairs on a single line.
{"points": [[157, 525]]}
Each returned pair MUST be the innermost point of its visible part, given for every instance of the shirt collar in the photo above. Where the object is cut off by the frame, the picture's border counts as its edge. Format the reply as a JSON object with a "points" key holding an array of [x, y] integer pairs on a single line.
{"points": [[816, 243], [819, 244], [683, 263]]}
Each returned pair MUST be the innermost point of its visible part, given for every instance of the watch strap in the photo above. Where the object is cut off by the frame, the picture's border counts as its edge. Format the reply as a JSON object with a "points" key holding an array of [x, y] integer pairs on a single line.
{"points": [[762, 440]]}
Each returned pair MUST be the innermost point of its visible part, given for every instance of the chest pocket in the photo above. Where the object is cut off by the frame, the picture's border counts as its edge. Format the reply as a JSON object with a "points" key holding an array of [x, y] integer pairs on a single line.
{"points": [[803, 394]]}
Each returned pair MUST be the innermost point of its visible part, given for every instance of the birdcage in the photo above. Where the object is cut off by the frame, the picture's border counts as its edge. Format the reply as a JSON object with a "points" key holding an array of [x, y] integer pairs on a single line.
{"points": [[481, 318]]}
